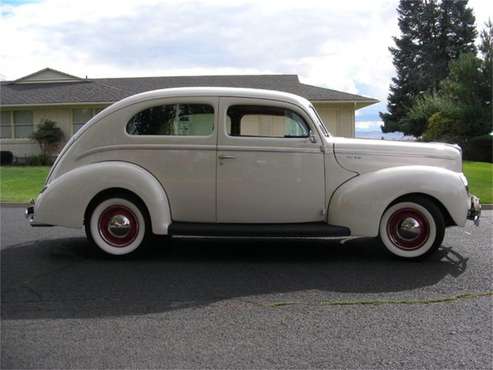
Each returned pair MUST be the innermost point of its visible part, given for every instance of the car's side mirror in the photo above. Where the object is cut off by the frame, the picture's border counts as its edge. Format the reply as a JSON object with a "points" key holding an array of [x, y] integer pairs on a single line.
{"points": [[312, 137]]}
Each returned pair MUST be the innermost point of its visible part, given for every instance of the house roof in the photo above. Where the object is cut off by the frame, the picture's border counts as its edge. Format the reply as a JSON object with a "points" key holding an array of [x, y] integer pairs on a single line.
{"points": [[34, 90]]}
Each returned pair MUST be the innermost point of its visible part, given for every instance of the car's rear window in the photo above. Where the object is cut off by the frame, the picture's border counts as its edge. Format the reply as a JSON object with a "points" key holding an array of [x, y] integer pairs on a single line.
{"points": [[173, 120]]}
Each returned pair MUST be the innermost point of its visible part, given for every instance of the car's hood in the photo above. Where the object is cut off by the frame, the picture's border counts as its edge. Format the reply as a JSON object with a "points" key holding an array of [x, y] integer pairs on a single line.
{"points": [[363, 155]]}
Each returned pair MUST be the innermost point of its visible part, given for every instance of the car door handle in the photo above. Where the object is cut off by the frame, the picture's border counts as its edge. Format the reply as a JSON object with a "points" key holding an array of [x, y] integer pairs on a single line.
{"points": [[223, 156]]}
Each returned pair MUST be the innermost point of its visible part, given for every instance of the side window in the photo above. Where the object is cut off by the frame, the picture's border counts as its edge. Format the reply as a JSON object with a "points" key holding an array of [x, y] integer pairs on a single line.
{"points": [[80, 117], [265, 121], [173, 120], [23, 123], [5, 124]]}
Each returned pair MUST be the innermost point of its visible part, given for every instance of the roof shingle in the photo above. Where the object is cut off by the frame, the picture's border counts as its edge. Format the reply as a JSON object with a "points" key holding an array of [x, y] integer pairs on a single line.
{"points": [[107, 90]]}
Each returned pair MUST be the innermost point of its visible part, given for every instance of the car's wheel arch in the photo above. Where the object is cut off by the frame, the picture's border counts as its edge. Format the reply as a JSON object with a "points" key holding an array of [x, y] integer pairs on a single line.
{"points": [[449, 221], [76, 190], [115, 192], [361, 202]]}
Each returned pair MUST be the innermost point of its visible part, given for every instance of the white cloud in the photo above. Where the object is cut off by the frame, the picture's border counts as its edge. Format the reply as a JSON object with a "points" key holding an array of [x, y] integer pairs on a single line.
{"points": [[337, 44], [368, 125]]}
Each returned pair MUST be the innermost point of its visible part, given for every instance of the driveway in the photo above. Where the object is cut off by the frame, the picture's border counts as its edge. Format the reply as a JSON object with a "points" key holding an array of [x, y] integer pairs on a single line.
{"points": [[243, 303]]}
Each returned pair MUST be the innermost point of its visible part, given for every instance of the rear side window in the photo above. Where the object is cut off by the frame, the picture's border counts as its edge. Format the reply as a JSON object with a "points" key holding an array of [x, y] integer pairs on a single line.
{"points": [[173, 120], [265, 121]]}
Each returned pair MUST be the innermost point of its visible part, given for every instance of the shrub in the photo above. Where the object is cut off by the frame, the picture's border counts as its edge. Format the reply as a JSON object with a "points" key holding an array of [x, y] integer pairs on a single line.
{"points": [[48, 136], [38, 160], [6, 158], [440, 128], [479, 149]]}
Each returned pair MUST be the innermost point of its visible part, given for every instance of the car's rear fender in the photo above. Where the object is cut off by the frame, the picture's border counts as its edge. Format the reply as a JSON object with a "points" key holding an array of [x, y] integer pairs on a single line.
{"points": [[65, 199]]}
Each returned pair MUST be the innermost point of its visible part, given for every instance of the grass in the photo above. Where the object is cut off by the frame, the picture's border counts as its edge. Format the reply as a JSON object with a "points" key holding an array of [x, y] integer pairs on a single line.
{"points": [[480, 176], [400, 301], [21, 184]]}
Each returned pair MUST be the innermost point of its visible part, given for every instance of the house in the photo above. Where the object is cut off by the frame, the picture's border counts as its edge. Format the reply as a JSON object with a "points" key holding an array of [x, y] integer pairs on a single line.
{"points": [[71, 101]]}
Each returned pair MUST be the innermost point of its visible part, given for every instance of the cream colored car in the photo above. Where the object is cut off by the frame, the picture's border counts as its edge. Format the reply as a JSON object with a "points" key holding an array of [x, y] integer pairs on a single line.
{"points": [[244, 162]]}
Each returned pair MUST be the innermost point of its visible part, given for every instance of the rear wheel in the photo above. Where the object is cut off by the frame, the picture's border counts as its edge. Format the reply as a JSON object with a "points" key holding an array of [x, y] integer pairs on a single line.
{"points": [[117, 225], [412, 228]]}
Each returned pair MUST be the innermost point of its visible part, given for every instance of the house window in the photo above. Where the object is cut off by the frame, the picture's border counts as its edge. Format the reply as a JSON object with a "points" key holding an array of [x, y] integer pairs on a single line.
{"points": [[23, 123], [173, 120], [6, 125], [81, 116]]}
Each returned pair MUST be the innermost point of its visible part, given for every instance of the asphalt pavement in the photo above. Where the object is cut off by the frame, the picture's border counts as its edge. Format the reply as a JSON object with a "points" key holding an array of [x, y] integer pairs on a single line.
{"points": [[243, 303]]}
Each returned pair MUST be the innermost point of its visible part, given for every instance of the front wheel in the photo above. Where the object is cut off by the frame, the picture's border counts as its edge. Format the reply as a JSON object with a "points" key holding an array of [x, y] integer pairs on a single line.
{"points": [[117, 225], [412, 228]]}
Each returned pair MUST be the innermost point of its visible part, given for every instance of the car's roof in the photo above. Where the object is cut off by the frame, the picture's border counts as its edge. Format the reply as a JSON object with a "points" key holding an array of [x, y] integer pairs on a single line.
{"points": [[212, 91]]}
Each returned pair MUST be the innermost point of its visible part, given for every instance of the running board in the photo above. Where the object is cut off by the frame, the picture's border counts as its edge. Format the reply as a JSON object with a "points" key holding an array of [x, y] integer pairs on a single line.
{"points": [[308, 229]]}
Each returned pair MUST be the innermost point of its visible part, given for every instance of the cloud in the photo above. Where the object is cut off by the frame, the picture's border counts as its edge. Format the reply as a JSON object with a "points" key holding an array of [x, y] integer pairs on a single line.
{"points": [[368, 125], [328, 44], [340, 45]]}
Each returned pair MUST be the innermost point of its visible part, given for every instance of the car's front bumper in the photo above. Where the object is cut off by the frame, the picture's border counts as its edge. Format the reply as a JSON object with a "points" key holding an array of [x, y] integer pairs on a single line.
{"points": [[474, 211]]}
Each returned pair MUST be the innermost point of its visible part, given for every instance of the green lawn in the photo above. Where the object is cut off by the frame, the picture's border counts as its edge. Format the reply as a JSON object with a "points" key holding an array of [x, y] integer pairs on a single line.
{"points": [[480, 176], [21, 184]]}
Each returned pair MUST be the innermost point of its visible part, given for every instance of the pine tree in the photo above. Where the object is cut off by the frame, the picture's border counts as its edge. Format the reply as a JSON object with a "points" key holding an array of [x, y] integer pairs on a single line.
{"points": [[486, 49], [406, 58], [456, 35], [432, 34]]}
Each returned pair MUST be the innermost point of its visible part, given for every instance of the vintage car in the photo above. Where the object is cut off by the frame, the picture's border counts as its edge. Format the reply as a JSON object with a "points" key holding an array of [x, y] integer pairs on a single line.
{"points": [[245, 162]]}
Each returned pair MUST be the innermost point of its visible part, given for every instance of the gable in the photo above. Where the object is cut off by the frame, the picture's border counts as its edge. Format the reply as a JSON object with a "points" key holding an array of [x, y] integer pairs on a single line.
{"points": [[47, 75]]}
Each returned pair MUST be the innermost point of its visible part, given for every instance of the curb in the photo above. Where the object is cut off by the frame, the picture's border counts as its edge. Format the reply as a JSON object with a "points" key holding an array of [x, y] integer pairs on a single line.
{"points": [[485, 207]]}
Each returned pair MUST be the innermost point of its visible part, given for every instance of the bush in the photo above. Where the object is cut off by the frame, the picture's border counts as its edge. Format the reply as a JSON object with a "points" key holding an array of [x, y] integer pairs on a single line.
{"points": [[38, 160], [440, 128], [48, 136], [6, 158], [479, 149]]}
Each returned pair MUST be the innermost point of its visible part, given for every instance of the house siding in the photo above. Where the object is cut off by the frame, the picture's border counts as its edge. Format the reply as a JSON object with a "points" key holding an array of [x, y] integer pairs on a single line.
{"points": [[339, 118], [24, 147]]}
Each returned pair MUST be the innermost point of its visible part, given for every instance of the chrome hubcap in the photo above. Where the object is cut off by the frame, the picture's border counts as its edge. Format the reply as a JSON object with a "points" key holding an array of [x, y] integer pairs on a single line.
{"points": [[409, 229], [119, 226]]}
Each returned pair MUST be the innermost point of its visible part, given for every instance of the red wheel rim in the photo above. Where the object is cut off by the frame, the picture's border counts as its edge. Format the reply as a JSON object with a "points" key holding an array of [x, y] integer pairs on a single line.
{"points": [[408, 229], [118, 226]]}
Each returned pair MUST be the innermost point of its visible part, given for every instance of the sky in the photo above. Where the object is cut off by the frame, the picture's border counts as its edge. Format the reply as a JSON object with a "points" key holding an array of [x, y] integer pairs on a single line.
{"points": [[341, 45]]}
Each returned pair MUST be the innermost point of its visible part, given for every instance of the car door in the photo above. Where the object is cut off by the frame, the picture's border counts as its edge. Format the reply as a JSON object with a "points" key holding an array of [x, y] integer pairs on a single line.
{"points": [[268, 168]]}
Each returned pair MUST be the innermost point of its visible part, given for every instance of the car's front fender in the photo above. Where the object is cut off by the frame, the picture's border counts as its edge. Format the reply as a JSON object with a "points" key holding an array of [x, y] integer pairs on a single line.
{"points": [[64, 201], [360, 202]]}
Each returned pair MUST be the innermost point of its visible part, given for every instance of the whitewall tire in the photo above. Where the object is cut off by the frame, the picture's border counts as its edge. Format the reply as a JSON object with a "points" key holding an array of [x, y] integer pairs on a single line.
{"points": [[413, 228], [117, 226]]}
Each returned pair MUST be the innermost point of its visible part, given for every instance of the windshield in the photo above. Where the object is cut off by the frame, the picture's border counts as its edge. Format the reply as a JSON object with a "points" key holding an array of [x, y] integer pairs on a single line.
{"points": [[320, 122]]}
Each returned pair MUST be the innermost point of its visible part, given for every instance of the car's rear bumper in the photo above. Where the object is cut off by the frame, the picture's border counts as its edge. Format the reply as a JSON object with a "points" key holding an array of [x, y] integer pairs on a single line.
{"points": [[474, 211], [29, 213]]}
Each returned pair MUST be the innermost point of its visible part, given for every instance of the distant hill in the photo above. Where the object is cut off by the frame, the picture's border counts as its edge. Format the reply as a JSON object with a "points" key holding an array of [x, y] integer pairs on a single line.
{"points": [[363, 134]]}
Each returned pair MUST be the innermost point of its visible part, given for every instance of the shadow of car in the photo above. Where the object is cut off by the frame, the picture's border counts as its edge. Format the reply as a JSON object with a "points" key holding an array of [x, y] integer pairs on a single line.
{"points": [[64, 278]]}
